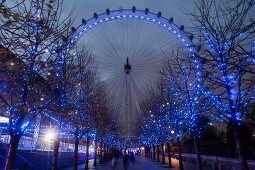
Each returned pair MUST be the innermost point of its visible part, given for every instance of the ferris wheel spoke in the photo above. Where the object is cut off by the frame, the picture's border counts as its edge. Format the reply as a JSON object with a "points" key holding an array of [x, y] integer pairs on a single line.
{"points": [[151, 56], [116, 32], [147, 79], [105, 52], [107, 45], [108, 65], [134, 44], [136, 97], [143, 39], [140, 83], [121, 95], [143, 45]]}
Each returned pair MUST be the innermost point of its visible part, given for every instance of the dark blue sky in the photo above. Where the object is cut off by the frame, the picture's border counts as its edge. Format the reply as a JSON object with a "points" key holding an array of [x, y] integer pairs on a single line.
{"points": [[169, 8]]}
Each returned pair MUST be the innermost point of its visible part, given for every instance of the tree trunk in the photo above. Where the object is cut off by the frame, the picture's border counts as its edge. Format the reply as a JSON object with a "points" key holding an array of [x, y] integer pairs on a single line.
{"points": [[149, 151], [158, 152], [76, 145], [163, 154], [104, 148], [55, 154], [87, 154], [197, 150], [169, 155], [180, 154], [95, 155], [240, 149], [101, 152], [154, 154], [12, 151]]}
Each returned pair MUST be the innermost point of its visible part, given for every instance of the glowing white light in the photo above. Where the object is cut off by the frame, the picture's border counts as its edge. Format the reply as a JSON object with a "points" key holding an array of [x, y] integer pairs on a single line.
{"points": [[50, 135], [4, 119], [24, 125], [91, 149], [172, 132]]}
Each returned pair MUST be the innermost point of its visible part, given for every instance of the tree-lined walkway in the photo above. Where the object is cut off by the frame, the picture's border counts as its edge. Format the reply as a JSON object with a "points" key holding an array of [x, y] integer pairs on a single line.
{"points": [[140, 163]]}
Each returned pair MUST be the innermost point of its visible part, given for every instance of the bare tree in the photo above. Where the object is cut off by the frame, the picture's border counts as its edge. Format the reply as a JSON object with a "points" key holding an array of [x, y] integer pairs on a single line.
{"points": [[7, 15], [33, 31], [225, 30], [82, 103], [73, 80], [83, 82], [20, 102], [182, 88]]}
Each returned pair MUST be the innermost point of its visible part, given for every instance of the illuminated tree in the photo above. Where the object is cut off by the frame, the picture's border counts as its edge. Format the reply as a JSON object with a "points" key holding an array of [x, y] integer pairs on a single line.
{"points": [[225, 30], [75, 80], [81, 94], [103, 111], [33, 31], [181, 86], [156, 123], [22, 98]]}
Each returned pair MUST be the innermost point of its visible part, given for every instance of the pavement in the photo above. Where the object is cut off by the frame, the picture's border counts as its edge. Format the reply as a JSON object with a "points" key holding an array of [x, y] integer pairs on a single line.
{"points": [[140, 163]]}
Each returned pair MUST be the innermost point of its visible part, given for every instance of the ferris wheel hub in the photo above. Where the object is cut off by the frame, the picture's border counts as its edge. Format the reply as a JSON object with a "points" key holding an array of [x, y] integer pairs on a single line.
{"points": [[127, 67]]}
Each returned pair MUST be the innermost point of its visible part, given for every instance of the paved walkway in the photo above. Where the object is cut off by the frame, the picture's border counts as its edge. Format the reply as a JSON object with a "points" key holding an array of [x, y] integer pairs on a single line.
{"points": [[140, 163]]}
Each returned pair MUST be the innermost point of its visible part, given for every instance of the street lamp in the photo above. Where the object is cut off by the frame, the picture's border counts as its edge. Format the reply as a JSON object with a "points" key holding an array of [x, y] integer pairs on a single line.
{"points": [[50, 135]]}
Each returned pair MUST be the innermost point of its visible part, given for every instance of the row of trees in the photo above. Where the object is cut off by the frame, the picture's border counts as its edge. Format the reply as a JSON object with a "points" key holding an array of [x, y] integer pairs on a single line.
{"points": [[215, 85]]}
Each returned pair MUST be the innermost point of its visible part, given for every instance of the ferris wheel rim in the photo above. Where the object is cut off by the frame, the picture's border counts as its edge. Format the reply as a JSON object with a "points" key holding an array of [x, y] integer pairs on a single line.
{"points": [[137, 14]]}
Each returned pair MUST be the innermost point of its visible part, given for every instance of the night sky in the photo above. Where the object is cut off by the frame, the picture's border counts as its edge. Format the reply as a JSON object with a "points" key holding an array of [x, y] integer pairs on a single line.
{"points": [[169, 8]]}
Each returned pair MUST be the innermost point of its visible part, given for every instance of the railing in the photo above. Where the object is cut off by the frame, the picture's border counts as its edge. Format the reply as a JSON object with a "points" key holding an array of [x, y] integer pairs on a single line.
{"points": [[6, 148], [220, 162], [3, 157], [215, 162]]}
